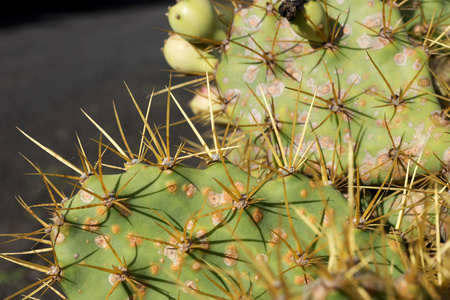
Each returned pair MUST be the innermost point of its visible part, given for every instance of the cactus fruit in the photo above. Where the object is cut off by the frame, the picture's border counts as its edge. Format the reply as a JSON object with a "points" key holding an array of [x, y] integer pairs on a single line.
{"points": [[327, 177], [196, 20], [182, 55], [200, 103], [308, 20]]}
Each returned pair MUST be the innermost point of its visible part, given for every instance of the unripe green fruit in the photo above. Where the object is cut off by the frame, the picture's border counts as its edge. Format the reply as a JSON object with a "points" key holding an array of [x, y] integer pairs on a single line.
{"points": [[196, 20], [186, 57], [309, 21], [199, 104]]}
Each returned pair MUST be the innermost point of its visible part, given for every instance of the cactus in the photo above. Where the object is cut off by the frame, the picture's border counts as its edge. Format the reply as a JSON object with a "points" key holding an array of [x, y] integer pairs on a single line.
{"points": [[160, 230], [369, 84], [326, 176], [163, 230]]}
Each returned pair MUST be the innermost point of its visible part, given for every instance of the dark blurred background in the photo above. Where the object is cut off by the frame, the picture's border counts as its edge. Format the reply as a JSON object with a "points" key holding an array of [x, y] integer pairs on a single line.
{"points": [[55, 58]]}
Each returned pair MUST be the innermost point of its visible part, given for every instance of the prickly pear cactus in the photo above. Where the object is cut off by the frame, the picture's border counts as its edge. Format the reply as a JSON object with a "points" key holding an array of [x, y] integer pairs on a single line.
{"points": [[354, 63], [165, 231], [340, 190]]}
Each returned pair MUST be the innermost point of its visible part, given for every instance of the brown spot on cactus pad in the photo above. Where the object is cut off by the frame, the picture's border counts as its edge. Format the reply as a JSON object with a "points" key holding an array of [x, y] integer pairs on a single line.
{"points": [[231, 256], [172, 186]]}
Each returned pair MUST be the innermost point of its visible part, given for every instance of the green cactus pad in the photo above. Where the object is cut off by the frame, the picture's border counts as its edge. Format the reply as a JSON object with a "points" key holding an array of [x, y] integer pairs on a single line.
{"points": [[372, 88], [182, 231]]}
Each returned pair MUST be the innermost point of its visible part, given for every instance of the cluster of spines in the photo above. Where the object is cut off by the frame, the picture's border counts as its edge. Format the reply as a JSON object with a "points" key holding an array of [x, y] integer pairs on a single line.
{"points": [[121, 274]]}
